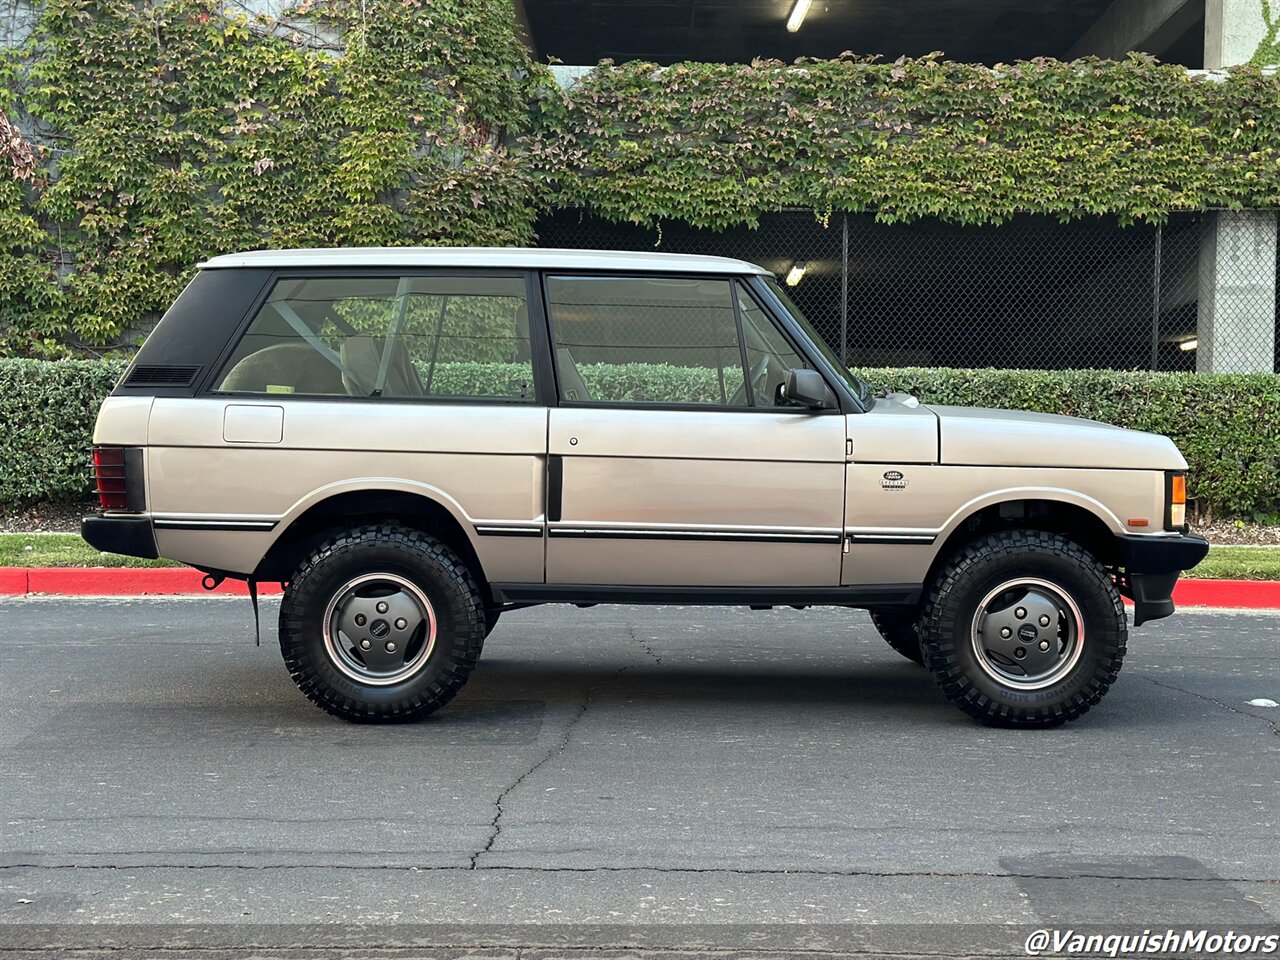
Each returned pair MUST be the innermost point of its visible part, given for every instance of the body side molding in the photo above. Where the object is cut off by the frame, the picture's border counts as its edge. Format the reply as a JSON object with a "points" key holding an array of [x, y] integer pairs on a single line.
{"points": [[888, 594]]}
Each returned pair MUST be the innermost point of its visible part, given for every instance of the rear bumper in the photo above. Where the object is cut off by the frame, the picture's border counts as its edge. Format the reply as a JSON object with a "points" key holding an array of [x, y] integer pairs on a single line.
{"points": [[131, 536], [1152, 565]]}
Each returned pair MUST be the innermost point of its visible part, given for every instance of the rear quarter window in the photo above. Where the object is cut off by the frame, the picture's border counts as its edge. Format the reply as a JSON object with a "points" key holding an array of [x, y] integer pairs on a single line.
{"points": [[408, 336]]}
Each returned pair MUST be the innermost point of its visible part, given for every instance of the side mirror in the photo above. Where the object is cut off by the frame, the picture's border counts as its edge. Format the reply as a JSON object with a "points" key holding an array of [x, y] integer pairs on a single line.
{"points": [[808, 389]]}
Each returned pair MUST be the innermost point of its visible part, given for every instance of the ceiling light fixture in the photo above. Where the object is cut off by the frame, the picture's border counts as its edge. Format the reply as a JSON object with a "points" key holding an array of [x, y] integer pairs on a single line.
{"points": [[1189, 344], [796, 273], [797, 15]]}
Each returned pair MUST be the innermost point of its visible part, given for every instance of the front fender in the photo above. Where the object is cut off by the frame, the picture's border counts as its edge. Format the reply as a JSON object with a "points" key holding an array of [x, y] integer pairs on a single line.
{"points": [[1010, 494]]}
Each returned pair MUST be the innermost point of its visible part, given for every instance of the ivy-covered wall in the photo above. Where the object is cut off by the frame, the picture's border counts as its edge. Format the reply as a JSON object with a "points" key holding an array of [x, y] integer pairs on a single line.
{"points": [[717, 145], [176, 131], [171, 131]]}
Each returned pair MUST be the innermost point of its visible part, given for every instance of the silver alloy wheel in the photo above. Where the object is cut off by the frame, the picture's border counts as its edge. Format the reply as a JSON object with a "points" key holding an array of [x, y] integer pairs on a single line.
{"points": [[1027, 634], [379, 629]]}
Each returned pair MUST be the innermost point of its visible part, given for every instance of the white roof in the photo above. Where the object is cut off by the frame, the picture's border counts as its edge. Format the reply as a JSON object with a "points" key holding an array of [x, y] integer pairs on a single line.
{"points": [[501, 257]]}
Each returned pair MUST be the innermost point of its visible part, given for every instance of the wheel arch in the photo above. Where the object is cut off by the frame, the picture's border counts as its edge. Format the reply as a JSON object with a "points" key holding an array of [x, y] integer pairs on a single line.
{"points": [[338, 506], [1081, 519]]}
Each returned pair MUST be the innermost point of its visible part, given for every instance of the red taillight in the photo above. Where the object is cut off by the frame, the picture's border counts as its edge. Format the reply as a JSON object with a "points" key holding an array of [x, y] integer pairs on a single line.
{"points": [[109, 474]]}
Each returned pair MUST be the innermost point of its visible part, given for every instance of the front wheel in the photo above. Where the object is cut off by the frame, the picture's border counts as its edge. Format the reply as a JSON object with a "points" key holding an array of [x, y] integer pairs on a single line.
{"points": [[381, 623], [1023, 628]]}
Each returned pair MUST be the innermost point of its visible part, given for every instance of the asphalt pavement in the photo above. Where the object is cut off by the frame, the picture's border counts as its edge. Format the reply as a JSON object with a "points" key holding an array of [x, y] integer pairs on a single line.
{"points": [[623, 776]]}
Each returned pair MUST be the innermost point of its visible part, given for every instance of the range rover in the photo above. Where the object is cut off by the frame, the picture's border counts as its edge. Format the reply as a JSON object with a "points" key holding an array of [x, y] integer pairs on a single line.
{"points": [[414, 441]]}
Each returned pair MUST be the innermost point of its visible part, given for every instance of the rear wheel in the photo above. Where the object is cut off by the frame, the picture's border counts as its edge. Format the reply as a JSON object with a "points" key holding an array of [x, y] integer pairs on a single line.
{"points": [[1023, 628], [381, 623], [899, 629]]}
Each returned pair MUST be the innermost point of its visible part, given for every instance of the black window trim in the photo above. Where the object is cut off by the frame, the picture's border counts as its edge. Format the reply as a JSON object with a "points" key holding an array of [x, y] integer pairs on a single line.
{"points": [[748, 388], [537, 336], [790, 333]]}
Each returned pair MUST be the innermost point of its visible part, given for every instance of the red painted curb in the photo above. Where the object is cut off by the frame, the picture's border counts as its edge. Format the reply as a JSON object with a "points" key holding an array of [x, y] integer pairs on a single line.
{"points": [[1253, 594], [13, 580], [177, 581], [115, 581]]}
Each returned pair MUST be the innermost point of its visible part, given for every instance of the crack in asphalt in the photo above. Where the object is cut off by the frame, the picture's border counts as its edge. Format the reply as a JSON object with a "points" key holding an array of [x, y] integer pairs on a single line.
{"points": [[733, 871], [645, 644], [1275, 727], [495, 825]]}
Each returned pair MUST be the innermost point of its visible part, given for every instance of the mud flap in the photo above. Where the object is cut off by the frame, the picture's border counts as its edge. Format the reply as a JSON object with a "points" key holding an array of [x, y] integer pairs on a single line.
{"points": [[253, 601], [1152, 595]]}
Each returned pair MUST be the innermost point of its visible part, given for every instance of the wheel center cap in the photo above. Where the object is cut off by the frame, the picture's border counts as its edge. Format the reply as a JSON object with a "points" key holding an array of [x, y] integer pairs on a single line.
{"points": [[380, 628], [1027, 633]]}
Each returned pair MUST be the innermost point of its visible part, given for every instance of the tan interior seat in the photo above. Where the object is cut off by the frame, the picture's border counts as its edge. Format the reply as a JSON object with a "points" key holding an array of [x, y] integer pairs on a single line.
{"points": [[362, 361], [294, 365]]}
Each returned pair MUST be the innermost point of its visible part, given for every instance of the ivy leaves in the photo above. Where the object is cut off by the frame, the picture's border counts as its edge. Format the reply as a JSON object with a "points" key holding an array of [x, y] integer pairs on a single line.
{"points": [[717, 145], [183, 131], [180, 131]]}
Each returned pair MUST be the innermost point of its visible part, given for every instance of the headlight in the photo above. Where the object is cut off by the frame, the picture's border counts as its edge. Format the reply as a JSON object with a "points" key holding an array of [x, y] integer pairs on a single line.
{"points": [[1175, 511]]}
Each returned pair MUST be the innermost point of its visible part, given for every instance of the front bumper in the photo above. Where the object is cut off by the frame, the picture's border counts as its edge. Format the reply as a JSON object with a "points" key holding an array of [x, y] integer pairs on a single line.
{"points": [[1152, 565], [131, 536]]}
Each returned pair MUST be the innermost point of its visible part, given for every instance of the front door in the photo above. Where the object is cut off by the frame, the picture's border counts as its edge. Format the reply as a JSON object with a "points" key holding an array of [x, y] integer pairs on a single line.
{"points": [[673, 460]]}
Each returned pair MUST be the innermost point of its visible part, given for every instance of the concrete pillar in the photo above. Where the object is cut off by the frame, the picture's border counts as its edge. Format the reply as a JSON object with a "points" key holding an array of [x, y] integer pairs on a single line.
{"points": [[1237, 30], [1236, 321]]}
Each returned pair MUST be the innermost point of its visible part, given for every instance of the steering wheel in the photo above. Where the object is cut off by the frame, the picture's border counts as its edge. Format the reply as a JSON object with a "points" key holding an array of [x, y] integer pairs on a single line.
{"points": [[758, 379]]}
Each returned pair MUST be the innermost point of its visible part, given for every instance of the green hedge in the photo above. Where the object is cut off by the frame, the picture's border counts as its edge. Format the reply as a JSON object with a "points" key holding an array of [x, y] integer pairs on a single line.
{"points": [[617, 381], [1227, 425], [47, 411]]}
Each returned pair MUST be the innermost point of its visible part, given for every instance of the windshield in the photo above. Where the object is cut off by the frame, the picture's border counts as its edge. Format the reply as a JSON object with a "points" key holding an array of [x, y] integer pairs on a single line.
{"points": [[861, 389]]}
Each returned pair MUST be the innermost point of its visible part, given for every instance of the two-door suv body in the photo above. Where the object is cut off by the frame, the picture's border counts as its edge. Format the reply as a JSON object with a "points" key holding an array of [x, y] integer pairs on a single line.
{"points": [[415, 440]]}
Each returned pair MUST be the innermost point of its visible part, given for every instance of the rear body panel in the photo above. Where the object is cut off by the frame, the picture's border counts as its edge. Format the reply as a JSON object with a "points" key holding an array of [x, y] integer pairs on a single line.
{"points": [[484, 464]]}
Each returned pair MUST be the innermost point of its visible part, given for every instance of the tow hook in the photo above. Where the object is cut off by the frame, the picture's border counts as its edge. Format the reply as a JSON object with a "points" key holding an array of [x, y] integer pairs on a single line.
{"points": [[211, 581]]}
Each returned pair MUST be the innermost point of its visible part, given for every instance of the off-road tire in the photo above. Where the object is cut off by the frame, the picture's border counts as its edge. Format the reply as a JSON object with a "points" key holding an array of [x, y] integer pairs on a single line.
{"points": [[386, 548], [953, 598], [900, 630]]}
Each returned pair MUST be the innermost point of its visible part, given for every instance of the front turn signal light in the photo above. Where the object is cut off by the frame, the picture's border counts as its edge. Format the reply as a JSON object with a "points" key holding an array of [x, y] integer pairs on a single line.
{"points": [[1176, 518]]}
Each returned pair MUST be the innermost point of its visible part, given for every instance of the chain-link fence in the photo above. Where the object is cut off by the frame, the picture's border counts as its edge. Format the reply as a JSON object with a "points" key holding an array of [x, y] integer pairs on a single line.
{"points": [[1198, 293]]}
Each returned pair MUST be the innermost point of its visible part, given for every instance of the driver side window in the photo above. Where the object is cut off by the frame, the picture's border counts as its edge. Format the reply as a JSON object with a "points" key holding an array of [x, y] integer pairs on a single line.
{"points": [[638, 339], [665, 340]]}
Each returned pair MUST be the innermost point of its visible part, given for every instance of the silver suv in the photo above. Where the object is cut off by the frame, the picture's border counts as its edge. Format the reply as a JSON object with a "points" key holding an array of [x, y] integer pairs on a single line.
{"points": [[416, 440]]}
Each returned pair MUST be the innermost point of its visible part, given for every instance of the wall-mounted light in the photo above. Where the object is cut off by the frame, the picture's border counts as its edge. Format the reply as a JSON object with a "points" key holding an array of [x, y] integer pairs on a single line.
{"points": [[1188, 345], [796, 273], [797, 15]]}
